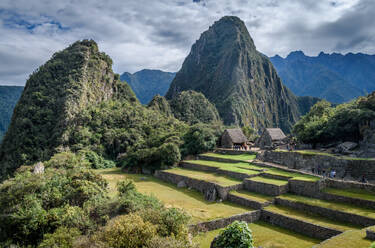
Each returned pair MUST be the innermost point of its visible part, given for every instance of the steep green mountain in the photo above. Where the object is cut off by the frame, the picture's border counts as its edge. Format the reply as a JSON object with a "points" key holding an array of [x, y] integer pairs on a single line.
{"points": [[240, 81], [9, 96], [193, 107], [334, 77], [160, 104], [54, 95], [148, 83]]}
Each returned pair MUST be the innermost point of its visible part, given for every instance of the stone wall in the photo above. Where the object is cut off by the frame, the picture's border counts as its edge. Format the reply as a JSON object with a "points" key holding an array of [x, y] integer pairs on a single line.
{"points": [[265, 188], [354, 168], [247, 202], [299, 226], [370, 233], [340, 184], [233, 152], [200, 185], [220, 223], [306, 188], [345, 199], [224, 160], [329, 213]]}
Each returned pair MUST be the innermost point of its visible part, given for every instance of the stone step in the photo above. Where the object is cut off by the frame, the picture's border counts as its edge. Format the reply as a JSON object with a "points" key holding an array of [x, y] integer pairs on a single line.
{"points": [[228, 169], [250, 199], [358, 197], [211, 184], [336, 211], [266, 186]]}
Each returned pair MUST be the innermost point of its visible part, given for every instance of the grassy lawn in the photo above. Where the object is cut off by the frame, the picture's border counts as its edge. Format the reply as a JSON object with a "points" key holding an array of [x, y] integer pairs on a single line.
{"points": [[190, 200], [265, 236], [353, 193], [296, 176], [245, 168], [205, 176], [312, 218], [269, 181], [349, 239], [332, 205], [252, 196], [239, 157]]}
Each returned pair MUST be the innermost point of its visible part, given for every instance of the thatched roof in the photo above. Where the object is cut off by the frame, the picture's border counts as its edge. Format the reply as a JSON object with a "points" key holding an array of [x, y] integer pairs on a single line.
{"points": [[236, 135], [275, 133]]}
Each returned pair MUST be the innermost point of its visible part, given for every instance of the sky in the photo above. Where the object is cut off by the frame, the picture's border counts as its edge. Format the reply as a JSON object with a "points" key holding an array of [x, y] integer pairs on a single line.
{"points": [[158, 34]]}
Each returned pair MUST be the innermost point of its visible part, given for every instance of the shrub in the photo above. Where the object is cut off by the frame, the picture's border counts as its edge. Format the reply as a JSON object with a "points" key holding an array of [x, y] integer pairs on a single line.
{"points": [[62, 238], [97, 161], [127, 231], [372, 245], [199, 138], [236, 235]]}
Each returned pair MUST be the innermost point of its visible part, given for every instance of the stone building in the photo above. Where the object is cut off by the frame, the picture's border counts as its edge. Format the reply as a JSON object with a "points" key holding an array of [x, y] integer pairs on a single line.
{"points": [[270, 138], [232, 138]]}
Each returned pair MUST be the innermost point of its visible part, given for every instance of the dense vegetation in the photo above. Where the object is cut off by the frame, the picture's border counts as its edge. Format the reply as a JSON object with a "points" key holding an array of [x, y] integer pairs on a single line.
{"points": [[68, 203], [324, 123], [236, 235], [148, 83], [9, 96], [69, 82], [193, 107], [241, 82], [335, 77]]}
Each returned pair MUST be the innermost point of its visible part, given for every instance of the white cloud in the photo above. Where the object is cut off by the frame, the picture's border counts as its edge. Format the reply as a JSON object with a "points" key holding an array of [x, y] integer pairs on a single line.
{"points": [[141, 34]]}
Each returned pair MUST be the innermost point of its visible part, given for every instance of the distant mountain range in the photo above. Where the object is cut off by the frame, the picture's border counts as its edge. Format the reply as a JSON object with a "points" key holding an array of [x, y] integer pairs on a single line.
{"points": [[148, 83], [9, 96], [335, 77]]}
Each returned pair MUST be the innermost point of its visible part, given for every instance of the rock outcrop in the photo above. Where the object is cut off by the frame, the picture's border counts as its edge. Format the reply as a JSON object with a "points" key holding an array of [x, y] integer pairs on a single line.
{"points": [[240, 81]]}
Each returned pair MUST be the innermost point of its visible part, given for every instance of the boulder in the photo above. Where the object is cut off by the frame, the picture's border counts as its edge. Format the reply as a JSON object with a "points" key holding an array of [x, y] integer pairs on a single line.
{"points": [[181, 184], [38, 168], [210, 194], [346, 147]]}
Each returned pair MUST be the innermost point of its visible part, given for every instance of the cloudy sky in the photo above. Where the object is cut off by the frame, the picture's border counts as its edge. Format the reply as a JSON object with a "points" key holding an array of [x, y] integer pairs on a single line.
{"points": [[158, 34]]}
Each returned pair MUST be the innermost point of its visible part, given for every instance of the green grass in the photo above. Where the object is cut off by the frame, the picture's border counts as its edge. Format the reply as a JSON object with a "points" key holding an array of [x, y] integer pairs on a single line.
{"points": [[348, 239], [239, 157], [191, 201], [312, 153], [353, 193], [252, 196], [311, 218], [265, 236], [245, 168], [269, 181], [332, 205], [205, 176]]}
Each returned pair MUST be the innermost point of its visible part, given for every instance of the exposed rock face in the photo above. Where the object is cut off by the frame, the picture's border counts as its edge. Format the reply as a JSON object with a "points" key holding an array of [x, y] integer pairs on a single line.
{"points": [[38, 168], [210, 194], [70, 81], [240, 81]]}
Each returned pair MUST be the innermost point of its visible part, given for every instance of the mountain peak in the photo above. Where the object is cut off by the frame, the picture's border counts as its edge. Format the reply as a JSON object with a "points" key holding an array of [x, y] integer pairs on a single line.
{"points": [[296, 55]]}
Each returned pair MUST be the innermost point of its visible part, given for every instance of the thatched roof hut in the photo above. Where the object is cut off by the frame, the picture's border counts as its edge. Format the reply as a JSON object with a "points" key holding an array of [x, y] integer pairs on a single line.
{"points": [[270, 136], [233, 137]]}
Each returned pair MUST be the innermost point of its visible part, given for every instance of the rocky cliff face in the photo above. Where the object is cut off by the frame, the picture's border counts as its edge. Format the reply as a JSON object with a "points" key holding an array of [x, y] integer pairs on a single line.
{"points": [[54, 94], [240, 81]]}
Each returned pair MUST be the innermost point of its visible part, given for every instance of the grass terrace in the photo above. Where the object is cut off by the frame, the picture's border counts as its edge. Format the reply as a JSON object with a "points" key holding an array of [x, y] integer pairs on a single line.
{"points": [[205, 176], [353, 193], [269, 181], [265, 236], [293, 175], [239, 157], [332, 205], [313, 152], [190, 200], [252, 196], [311, 218], [348, 239], [236, 167]]}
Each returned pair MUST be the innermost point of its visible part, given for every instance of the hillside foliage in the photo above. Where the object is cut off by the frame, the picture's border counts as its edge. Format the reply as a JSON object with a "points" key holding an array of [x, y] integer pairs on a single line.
{"points": [[325, 124]]}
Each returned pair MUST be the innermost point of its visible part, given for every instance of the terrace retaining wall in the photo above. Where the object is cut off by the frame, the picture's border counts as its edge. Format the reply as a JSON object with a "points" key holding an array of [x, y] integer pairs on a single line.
{"points": [[299, 226], [345, 199], [247, 202], [224, 160], [348, 167], [233, 152], [220, 223], [200, 185], [370, 234], [306, 188], [265, 188], [340, 184], [329, 213]]}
